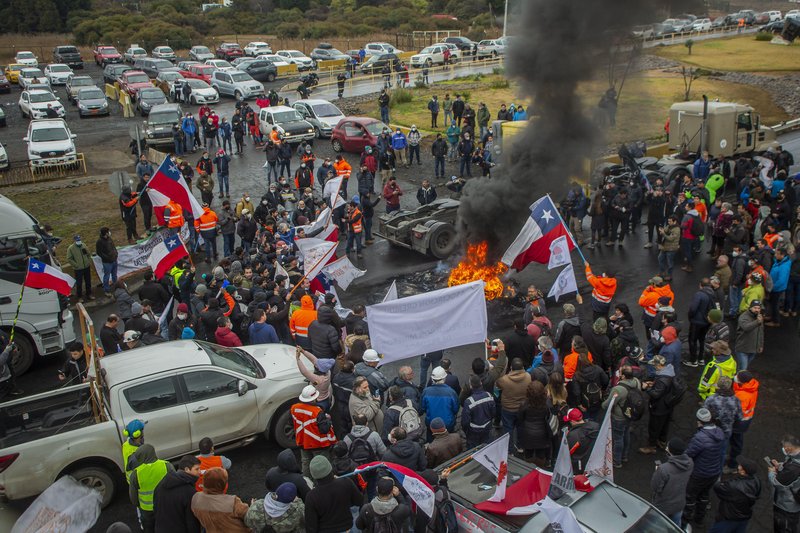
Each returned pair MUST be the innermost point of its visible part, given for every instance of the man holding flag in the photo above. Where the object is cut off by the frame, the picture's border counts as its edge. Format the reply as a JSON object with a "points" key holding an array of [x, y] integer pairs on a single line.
{"points": [[168, 185]]}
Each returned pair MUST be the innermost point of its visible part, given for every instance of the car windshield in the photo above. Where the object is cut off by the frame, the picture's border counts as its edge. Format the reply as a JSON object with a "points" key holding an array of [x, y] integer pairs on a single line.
{"points": [[170, 76], [60, 68], [49, 134], [163, 117], [241, 76], [81, 82], [68, 50], [285, 116], [150, 94], [375, 128], [427, 50], [38, 98], [201, 50], [138, 78], [326, 110], [138, 51], [198, 84], [295, 54], [166, 50], [90, 94], [220, 64], [26, 55], [231, 46], [161, 63], [232, 359], [32, 73], [109, 51]]}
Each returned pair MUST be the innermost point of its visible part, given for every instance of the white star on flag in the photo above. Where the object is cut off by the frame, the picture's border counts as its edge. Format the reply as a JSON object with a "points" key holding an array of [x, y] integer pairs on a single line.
{"points": [[547, 216], [35, 266], [171, 242], [173, 168]]}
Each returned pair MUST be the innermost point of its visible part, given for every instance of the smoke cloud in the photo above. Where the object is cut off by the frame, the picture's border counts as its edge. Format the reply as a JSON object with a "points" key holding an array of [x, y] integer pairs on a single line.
{"points": [[559, 44]]}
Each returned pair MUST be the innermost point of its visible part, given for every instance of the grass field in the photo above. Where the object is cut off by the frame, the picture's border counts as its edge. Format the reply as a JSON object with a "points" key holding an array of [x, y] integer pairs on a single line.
{"points": [[642, 111], [740, 54]]}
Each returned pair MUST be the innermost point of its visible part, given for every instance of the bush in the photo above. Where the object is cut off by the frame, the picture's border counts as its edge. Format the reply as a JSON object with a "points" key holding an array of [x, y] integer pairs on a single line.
{"points": [[499, 71], [499, 84], [400, 96], [764, 36]]}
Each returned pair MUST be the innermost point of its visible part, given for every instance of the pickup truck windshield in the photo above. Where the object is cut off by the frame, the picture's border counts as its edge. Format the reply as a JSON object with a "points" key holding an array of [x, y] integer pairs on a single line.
{"points": [[164, 117], [138, 78], [232, 359], [285, 116]]}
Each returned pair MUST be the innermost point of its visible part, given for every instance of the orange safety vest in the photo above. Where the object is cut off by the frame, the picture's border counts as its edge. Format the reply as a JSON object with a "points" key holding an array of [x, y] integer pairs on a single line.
{"points": [[307, 158], [772, 239], [207, 221], [571, 364], [306, 432], [603, 288], [303, 317], [355, 220], [207, 463], [343, 168], [702, 210], [275, 137], [748, 396], [175, 219], [649, 298]]}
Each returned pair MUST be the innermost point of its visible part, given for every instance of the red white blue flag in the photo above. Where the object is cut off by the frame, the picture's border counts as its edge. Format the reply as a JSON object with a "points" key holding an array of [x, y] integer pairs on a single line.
{"points": [[417, 488], [43, 276], [532, 245], [168, 184], [165, 254]]}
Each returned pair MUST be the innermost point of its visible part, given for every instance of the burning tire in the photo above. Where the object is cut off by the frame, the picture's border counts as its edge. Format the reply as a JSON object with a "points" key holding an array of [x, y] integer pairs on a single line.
{"points": [[442, 240]]}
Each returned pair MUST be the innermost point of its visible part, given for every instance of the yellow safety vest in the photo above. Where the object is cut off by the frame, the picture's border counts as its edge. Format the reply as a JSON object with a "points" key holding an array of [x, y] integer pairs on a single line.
{"points": [[149, 475], [127, 451]]}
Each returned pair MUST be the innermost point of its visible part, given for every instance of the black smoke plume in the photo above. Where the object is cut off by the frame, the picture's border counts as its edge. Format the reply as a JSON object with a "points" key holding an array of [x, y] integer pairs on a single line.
{"points": [[559, 44]]}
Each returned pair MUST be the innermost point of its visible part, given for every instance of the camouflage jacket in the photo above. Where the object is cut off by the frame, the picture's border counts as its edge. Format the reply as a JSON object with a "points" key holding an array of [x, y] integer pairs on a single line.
{"points": [[292, 521]]}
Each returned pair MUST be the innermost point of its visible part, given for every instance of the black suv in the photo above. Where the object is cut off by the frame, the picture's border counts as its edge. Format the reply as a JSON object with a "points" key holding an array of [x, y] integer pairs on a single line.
{"points": [[260, 69], [463, 44], [374, 64], [69, 55]]}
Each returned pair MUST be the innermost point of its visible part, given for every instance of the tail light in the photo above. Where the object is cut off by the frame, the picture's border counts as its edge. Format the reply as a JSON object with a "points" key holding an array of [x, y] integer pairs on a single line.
{"points": [[6, 460]]}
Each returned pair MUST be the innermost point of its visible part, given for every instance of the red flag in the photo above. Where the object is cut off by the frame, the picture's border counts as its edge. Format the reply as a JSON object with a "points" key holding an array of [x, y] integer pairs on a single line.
{"points": [[532, 245], [168, 184], [525, 492], [43, 276]]}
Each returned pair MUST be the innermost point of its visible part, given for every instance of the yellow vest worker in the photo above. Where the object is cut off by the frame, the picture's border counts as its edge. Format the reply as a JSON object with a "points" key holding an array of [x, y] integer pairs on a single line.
{"points": [[134, 437], [144, 479]]}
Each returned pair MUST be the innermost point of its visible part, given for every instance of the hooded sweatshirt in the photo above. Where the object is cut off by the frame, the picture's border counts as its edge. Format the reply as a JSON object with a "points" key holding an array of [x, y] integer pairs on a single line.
{"points": [[395, 507], [373, 438], [668, 484], [219, 512], [172, 503], [671, 350], [407, 453], [748, 396], [725, 408], [324, 337], [661, 385], [303, 317], [287, 470]]}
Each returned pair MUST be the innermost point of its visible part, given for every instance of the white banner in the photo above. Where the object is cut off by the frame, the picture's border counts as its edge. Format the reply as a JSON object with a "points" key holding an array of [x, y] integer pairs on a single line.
{"points": [[563, 478], [427, 322], [315, 253], [559, 253], [565, 283], [391, 294], [279, 270], [134, 258], [562, 519], [343, 312], [494, 456], [343, 271], [331, 187], [67, 506], [601, 460]]}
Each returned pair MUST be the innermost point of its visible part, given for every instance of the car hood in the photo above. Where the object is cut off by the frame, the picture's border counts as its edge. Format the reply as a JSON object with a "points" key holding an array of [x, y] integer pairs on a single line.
{"points": [[92, 101], [139, 85], [43, 105], [210, 91], [278, 361], [295, 125], [204, 56], [330, 121], [51, 146]]}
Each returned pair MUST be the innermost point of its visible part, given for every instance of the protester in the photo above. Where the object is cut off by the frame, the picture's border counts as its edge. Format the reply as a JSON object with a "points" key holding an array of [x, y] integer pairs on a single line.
{"points": [[444, 446], [281, 510], [327, 506], [217, 511], [172, 500], [670, 479], [706, 450], [737, 497]]}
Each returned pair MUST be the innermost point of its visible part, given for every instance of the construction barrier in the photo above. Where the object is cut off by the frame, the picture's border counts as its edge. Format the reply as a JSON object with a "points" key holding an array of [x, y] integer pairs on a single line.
{"points": [[112, 91], [23, 172], [287, 70]]}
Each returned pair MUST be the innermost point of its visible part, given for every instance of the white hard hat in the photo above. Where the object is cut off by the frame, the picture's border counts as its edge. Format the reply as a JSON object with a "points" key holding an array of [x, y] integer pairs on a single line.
{"points": [[371, 356], [130, 336], [438, 374], [309, 394]]}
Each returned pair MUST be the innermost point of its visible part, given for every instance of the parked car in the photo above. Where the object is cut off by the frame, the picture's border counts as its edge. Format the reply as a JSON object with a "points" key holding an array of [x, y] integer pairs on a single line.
{"points": [[113, 72], [748, 15], [321, 114], [354, 54], [328, 54], [200, 53], [200, 72], [147, 98], [34, 103], [132, 81], [229, 51], [5, 85], [492, 48], [235, 83], [184, 65], [57, 73], [4, 164], [256, 48], [702, 25], [166, 80], [259, 69], [26, 58], [104, 55], [69, 55], [75, 84], [91, 101], [380, 48], [773, 27], [220, 64], [159, 123], [792, 14], [152, 66], [463, 43], [232, 395], [374, 64], [275, 59], [164, 52], [720, 22], [455, 51], [50, 142], [202, 92], [289, 122], [298, 58], [429, 56], [12, 72], [3, 123], [762, 18], [133, 53], [353, 134], [31, 75]]}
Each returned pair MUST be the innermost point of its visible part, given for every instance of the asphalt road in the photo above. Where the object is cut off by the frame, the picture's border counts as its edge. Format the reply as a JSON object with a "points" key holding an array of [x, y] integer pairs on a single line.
{"points": [[779, 402]]}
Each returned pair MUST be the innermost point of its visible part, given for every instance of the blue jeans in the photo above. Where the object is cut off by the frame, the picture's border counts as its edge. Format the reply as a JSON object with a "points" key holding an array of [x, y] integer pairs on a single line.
{"points": [[210, 238], [743, 360], [226, 142], [735, 298], [353, 237], [272, 170], [109, 271], [228, 243], [666, 262], [438, 168], [412, 150], [178, 146], [385, 115], [453, 148], [448, 117], [223, 184], [465, 166], [509, 421], [621, 438], [687, 248], [729, 526], [246, 246], [792, 302]]}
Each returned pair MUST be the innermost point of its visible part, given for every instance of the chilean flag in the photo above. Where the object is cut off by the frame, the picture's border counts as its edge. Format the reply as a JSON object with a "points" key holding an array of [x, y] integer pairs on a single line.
{"points": [[168, 184], [542, 227], [43, 276], [417, 488], [521, 497], [165, 254]]}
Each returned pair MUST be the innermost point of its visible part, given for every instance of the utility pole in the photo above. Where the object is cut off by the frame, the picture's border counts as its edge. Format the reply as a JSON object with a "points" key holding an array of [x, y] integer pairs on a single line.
{"points": [[505, 19]]}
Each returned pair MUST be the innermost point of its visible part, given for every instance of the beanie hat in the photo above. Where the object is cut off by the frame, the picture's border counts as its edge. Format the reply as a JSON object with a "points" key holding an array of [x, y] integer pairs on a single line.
{"points": [[136, 309], [750, 467], [547, 356], [187, 333], [320, 467], [437, 425], [600, 326], [201, 290], [385, 486], [218, 272], [669, 334], [431, 477], [340, 449], [743, 377], [214, 480], [324, 365], [286, 492], [676, 446], [183, 308], [715, 316], [703, 415]]}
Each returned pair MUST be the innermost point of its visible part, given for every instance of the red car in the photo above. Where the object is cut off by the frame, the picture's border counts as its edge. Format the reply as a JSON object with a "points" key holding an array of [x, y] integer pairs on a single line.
{"points": [[132, 80], [199, 72], [103, 55], [5, 85], [353, 134], [229, 51]]}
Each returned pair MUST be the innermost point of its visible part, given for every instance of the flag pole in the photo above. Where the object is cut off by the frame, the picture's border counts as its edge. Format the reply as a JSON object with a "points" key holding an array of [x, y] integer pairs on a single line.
{"points": [[305, 276], [572, 238]]}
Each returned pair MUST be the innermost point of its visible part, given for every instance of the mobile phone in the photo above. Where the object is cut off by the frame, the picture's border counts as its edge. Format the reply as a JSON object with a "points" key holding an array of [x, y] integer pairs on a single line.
{"points": [[768, 461]]}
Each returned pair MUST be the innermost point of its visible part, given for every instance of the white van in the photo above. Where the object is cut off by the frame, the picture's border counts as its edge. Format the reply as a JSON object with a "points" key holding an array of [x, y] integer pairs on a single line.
{"points": [[44, 325]]}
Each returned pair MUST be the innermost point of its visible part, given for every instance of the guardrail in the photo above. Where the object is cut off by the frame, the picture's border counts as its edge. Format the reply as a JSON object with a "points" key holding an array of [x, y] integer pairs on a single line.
{"points": [[679, 37], [787, 126], [23, 172]]}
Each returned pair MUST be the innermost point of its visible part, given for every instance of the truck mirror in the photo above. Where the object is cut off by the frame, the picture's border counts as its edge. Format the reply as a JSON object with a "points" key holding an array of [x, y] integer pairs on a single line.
{"points": [[242, 387]]}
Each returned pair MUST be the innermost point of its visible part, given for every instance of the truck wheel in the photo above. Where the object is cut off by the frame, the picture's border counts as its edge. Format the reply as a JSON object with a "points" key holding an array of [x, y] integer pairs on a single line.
{"points": [[337, 146], [99, 479], [270, 77], [677, 173], [442, 241], [23, 360], [283, 430]]}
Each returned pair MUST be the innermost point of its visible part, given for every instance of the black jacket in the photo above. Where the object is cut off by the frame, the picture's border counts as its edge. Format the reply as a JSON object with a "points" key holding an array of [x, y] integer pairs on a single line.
{"points": [[407, 453], [172, 503], [521, 345], [328, 505], [324, 337], [737, 497], [533, 427], [157, 294], [287, 471], [599, 346], [584, 434], [399, 515], [111, 339], [106, 249]]}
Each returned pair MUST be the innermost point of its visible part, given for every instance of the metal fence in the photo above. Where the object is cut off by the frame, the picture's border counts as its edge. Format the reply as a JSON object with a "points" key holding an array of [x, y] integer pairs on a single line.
{"points": [[22, 172]]}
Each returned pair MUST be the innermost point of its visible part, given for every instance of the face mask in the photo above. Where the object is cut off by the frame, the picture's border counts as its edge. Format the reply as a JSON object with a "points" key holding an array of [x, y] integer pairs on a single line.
{"points": [[79, 243], [182, 316], [783, 450], [264, 202], [246, 198]]}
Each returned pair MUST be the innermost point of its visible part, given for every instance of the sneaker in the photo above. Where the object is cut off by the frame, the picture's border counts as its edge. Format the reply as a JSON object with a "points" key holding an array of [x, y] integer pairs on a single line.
{"points": [[648, 245], [701, 362], [610, 243], [591, 246], [648, 450], [617, 465], [691, 364]]}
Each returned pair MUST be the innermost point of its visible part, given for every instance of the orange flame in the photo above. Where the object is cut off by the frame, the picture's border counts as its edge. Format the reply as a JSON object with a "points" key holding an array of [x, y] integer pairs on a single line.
{"points": [[474, 267]]}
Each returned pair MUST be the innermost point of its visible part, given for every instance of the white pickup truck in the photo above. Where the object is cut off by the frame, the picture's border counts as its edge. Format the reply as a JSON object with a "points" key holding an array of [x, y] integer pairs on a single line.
{"points": [[182, 390]]}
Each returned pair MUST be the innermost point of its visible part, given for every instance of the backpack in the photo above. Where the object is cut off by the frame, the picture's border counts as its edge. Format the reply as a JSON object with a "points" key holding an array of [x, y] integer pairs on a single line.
{"points": [[545, 330], [360, 450], [635, 403], [408, 420], [323, 423], [591, 394], [444, 518], [384, 524], [698, 227], [675, 393]]}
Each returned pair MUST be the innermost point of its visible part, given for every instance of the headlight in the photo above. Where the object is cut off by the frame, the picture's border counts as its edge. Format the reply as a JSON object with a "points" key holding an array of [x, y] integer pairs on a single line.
{"points": [[310, 130], [35, 152], [70, 151], [150, 133]]}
